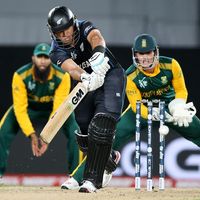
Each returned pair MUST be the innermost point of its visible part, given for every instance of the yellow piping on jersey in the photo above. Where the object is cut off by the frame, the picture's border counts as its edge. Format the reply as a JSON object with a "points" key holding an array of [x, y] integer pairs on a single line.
{"points": [[81, 156], [129, 106], [4, 117], [78, 166], [41, 99]]}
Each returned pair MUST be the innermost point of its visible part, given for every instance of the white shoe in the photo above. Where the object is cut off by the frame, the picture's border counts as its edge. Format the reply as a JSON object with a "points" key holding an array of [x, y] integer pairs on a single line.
{"points": [[70, 184], [87, 187]]}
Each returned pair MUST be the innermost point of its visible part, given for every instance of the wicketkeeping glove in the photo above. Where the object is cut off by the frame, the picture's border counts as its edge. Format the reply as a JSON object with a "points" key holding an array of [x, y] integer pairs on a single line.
{"points": [[156, 115], [182, 112], [99, 64]]}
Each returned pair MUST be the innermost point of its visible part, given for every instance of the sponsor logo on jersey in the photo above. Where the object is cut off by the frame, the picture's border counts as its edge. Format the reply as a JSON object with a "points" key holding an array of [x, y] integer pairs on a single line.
{"points": [[82, 47], [157, 92], [118, 94], [164, 80], [51, 85], [31, 85], [85, 64], [58, 62], [87, 29], [143, 83], [73, 55]]}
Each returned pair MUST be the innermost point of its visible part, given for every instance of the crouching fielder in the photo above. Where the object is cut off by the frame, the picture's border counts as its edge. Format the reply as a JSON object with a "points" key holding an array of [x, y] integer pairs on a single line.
{"points": [[157, 77]]}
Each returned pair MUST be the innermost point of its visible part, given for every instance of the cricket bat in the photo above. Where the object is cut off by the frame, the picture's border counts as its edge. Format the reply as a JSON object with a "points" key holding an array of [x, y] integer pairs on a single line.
{"points": [[63, 112]]}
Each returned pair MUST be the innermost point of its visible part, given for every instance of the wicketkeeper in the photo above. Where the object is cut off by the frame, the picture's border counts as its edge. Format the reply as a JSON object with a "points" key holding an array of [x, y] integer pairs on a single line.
{"points": [[152, 76]]}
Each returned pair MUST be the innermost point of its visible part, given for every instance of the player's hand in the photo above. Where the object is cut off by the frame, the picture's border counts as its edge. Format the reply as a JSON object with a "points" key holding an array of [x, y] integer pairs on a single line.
{"points": [[35, 145], [99, 64], [156, 115], [92, 81], [182, 112], [43, 146]]}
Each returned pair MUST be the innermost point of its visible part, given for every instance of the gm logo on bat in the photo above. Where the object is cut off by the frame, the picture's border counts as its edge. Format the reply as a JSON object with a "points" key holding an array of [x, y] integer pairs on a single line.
{"points": [[77, 96]]}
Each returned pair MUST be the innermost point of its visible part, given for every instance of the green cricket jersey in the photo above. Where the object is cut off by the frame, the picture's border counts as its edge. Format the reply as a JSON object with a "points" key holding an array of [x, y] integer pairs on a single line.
{"points": [[165, 83], [30, 93]]}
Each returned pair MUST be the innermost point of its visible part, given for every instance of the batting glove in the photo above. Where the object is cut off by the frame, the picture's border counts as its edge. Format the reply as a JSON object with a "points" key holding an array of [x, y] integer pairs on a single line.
{"points": [[99, 64], [92, 81]]}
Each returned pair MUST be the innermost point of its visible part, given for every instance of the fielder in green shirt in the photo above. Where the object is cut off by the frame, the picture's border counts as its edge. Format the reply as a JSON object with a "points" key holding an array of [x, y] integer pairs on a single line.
{"points": [[38, 88]]}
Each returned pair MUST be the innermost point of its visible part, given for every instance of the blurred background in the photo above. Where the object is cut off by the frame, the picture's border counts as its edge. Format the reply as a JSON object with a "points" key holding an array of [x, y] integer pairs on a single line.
{"points": [[176, 26]]}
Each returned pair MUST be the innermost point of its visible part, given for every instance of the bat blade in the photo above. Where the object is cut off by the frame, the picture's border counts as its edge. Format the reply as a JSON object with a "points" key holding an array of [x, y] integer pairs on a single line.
{"points": [[63, 112]]}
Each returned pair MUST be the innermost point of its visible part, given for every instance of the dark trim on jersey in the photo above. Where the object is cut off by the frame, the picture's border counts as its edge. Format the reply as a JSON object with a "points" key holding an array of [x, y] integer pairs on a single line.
{"points": [[112, 58]]}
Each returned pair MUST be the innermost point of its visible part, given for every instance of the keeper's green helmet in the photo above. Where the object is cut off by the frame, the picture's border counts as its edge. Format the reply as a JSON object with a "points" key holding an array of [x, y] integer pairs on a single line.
{"points": [[145, 43]]}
